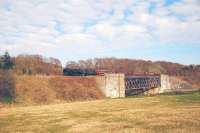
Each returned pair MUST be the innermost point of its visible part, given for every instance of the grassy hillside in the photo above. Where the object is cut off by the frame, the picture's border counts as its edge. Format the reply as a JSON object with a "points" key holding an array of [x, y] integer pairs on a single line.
{"points": [[169, 113], [52, 89]]}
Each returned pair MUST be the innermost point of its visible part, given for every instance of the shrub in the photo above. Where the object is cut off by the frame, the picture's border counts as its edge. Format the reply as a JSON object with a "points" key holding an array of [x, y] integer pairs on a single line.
{"points": [[7, 85]]}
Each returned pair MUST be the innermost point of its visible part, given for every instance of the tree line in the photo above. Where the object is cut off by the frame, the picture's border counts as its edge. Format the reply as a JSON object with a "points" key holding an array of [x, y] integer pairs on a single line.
{"points": [[125, 65], [31, 64], [36, 64]]}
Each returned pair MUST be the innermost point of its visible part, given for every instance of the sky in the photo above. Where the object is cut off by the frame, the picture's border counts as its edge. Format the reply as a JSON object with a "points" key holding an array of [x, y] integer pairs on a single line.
{"points": [[80, 29]]}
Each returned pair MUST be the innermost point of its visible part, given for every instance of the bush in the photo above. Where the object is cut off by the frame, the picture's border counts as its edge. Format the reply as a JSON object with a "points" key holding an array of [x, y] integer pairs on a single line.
{"points": [[7, 85]]}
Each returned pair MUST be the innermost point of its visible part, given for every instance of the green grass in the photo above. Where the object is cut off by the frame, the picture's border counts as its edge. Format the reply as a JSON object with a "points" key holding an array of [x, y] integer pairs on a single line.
{"points": [[6, 100], [163, 113]]}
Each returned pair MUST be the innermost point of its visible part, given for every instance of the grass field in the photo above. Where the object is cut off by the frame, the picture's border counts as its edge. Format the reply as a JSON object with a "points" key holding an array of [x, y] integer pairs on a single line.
{"points": [[164, 113]]}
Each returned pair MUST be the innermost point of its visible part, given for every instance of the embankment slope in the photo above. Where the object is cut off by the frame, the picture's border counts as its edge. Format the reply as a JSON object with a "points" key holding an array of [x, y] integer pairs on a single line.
{"points": [[54, 89]]}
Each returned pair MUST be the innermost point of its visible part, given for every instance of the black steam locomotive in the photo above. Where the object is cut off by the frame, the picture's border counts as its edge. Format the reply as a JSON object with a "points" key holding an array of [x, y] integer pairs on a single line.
{"points": [[78, 72], [84, 72]]}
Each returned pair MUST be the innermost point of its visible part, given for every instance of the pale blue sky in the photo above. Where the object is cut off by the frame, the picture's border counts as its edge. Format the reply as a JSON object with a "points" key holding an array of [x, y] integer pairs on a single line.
{"points": [[80, 29]]}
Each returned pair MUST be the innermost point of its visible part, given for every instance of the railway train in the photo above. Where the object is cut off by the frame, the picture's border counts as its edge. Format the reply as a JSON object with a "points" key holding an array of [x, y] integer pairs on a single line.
{"points": [[101, 72]]}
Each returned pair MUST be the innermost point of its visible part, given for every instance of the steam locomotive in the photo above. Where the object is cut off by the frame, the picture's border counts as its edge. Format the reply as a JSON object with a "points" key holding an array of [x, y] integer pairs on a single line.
{"points": [[84, 72]]}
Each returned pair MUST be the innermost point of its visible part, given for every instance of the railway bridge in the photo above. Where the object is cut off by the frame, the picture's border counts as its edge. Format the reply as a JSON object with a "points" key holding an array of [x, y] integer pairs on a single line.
{"points": [[139, 83], [120, 85]]}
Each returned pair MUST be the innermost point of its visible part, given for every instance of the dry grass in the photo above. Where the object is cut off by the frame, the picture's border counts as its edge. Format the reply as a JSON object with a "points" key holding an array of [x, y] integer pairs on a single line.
{"points": [[167, 114], [31, 90]]}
